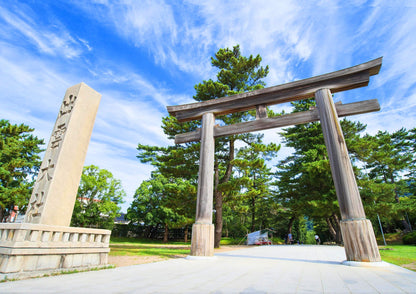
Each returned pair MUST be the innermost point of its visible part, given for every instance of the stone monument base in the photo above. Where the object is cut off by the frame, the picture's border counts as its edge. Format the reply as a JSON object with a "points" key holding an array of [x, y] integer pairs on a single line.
{"points": [[31, 249], [202, 240], [359, 240]]}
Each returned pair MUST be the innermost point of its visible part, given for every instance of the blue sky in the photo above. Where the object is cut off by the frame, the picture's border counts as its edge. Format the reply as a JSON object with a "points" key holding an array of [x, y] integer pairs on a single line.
{"points": [[144, 55]]}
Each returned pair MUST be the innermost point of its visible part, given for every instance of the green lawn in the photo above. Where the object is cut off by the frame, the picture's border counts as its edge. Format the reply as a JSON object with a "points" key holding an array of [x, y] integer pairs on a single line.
{"points": [[144, 247], [125, 240], [402, 255]]}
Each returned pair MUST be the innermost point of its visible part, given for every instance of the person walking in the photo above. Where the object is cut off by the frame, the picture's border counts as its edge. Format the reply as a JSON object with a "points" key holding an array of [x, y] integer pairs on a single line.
{"points": [[289, 238], [317, 240]]}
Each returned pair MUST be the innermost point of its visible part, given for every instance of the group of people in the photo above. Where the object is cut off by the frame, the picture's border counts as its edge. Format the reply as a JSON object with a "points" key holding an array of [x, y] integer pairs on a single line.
{"points": [[290, 240]]}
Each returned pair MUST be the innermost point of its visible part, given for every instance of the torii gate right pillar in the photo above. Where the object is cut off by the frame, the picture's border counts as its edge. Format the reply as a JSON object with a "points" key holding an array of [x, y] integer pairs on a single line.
{"points": [[357, 231]]}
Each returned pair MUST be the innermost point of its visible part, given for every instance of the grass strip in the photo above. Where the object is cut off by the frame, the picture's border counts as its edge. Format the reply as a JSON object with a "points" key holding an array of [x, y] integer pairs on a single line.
{"points": [[401, 255]]}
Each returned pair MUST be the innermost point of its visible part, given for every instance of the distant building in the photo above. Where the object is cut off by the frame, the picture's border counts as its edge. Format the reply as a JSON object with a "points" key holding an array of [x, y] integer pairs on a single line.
{"points": [[121, 219]]}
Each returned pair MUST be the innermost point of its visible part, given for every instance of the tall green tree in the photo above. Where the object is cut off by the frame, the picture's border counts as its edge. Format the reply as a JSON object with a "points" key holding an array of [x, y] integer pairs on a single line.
{"points": [[236, 74], [410, 202], [162, 202], [255, 177], [98, 198], [388, 159], [19, 164], [305, 181]]}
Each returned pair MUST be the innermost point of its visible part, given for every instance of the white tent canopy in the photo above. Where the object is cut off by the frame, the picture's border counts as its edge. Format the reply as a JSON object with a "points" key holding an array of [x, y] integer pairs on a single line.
{"points": [[252, 238]]}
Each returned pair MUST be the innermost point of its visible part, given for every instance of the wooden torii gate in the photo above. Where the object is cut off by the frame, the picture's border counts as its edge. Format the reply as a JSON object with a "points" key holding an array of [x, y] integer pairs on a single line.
{"points": [[357, 231]]}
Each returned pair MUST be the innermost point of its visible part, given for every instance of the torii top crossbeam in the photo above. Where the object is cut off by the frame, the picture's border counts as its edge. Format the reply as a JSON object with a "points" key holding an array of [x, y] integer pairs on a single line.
{"points": [[337, 81]]}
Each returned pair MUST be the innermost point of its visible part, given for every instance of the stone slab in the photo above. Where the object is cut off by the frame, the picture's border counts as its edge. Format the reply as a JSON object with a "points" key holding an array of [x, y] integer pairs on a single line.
{"points": [[265, 269], [32, 248]]}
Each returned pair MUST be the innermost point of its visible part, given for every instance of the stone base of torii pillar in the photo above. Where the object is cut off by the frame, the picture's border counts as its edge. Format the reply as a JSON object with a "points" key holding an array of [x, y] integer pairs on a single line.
{"points": [[45, 242]]}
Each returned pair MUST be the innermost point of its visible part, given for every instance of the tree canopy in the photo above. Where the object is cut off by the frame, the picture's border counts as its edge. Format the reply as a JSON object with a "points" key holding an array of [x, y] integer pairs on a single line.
{"points": [[19, 164], [236, 74], [98, 198]]}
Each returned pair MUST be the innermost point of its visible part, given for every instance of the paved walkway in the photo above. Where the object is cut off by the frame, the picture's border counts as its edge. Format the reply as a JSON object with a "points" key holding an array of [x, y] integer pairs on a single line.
{"points": [[266, 269]]}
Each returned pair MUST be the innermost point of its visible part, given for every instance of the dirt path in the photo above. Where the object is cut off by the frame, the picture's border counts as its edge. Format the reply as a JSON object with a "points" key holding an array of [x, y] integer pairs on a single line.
{"points": [[132, 260]]}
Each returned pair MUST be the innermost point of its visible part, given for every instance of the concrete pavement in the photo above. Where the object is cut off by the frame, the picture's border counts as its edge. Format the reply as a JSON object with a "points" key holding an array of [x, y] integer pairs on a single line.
{"points": [[266, 269]]}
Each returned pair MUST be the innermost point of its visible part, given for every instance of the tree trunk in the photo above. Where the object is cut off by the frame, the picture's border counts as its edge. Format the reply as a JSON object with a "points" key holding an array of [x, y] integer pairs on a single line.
{"points": [[1, 214], [218, 219], [218, 209], [290, 225], [253, 214], [289, 230], [219, 196], [336, 225], [253, 207], [166, 234], [185, 239], [331, 229]]}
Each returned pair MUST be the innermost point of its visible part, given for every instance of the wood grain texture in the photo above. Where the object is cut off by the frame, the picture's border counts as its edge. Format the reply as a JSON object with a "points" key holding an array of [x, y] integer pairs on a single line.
{"points": [[281, 121], [359, 241], [202, 243], [342, 173], [206, 171], [345, 79], [261, 111]]}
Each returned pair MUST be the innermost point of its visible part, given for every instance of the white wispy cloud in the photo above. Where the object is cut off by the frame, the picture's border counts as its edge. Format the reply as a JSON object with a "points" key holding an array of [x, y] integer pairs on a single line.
{"points": [[53, 41], [130, 112], [297, 39]]}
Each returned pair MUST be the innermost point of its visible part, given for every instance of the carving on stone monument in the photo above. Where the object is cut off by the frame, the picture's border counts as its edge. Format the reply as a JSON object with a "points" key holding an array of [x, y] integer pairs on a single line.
{"points": [[58, 135], [45, 175], [36, 204], [67, 105], [57, 181]]}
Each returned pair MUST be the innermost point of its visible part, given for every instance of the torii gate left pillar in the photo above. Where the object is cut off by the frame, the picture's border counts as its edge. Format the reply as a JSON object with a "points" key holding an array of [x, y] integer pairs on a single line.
{"points": [[203, 229]]}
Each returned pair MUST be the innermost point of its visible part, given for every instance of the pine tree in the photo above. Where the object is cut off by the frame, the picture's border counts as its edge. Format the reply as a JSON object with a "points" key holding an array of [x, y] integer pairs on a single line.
{"points": [[304, 179], [19, 164], [255, 177], [388, 158], [236, 74]]}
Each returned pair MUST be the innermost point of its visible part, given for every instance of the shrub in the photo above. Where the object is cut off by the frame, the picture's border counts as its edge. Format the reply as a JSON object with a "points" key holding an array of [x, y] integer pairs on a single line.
{"points": [[277, 241], [410, 238]]}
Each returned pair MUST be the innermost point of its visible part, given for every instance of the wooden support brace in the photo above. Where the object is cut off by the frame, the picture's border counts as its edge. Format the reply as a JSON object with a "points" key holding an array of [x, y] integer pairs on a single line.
{"points": [[281, 121], [261, 111]]}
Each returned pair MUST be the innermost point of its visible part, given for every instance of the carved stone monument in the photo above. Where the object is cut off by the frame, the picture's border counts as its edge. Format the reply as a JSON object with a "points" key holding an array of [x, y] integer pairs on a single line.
{"points": [[45, 242]]}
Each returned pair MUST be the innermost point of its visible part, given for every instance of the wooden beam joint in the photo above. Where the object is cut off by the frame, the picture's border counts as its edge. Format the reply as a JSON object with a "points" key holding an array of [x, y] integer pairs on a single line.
{"points": [[261, 111]]}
